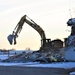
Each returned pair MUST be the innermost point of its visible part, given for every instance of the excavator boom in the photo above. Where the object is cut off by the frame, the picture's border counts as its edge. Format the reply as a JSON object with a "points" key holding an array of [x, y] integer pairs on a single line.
{"points": [[25, 19]]}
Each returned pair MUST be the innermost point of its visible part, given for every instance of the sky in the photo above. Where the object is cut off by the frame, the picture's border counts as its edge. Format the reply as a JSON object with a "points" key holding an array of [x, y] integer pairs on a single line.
{"points": [[51, 15]]}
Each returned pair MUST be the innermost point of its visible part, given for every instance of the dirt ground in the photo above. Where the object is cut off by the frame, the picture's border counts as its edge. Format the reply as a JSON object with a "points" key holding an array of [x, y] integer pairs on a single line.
{"points": [[33, 71]]}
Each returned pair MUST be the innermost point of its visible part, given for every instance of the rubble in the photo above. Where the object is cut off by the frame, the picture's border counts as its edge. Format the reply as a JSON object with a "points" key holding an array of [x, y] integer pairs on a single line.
{"points": [[42, 57]]}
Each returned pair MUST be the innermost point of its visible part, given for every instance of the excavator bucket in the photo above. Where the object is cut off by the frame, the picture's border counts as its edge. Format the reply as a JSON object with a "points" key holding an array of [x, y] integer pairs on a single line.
{"points": [[11, 39]]}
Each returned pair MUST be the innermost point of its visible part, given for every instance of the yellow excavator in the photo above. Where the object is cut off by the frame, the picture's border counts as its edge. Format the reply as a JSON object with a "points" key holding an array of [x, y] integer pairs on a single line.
{"points": [[45, 43]]}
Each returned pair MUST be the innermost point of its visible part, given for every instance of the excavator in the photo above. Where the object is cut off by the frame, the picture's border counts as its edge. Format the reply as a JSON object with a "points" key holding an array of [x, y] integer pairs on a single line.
{"points": [[45, 43]]}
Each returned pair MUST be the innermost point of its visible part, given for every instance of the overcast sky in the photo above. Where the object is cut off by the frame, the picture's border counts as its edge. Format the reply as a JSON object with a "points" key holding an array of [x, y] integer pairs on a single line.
{"points": [[51, 15]]}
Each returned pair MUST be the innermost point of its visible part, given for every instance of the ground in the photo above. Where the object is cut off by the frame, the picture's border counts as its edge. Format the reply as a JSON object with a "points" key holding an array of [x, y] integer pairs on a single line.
{"points": [[35, 68], [16, 70]]}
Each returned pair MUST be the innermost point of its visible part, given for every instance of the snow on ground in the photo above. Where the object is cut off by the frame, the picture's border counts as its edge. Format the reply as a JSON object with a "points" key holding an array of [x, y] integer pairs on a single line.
{"points": [[2, 57], [5, 56], [72, 73], [66, 65]]}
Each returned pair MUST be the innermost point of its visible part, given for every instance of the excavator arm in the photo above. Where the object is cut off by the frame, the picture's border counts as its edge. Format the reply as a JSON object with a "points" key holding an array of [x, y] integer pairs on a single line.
{"points": [[25, 19]]}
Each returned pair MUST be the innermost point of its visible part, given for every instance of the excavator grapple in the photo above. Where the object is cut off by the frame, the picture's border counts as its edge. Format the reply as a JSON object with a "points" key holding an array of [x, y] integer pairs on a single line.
{"points": [[11, 39]]}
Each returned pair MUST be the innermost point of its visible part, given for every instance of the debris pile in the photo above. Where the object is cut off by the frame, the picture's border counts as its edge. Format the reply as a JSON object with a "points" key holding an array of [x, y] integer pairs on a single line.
{"points": [[34, 56]]}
